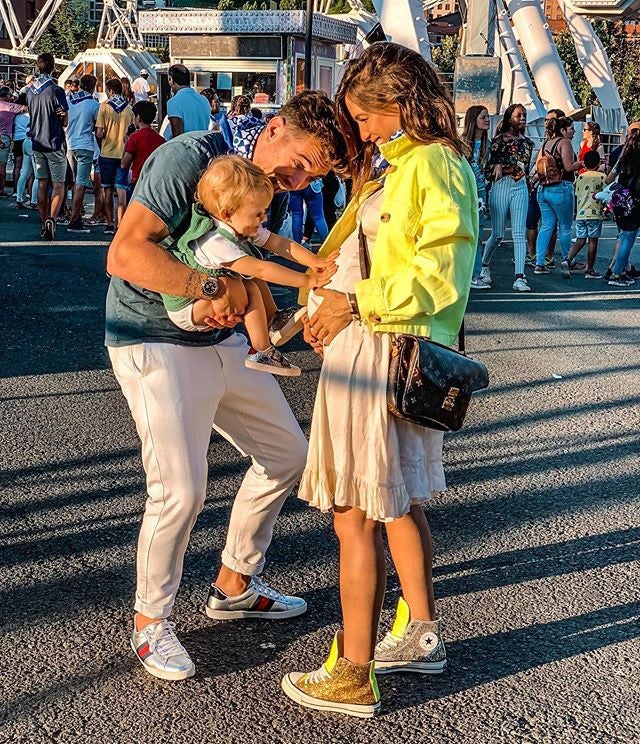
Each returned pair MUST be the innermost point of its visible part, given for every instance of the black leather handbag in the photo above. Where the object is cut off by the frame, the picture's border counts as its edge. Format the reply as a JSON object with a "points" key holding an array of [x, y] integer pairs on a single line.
{"points": [[429, 384]]}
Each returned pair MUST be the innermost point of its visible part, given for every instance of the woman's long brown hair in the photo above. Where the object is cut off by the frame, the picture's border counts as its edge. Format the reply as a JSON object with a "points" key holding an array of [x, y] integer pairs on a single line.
{"points": [[469, 133], [384, 75]]}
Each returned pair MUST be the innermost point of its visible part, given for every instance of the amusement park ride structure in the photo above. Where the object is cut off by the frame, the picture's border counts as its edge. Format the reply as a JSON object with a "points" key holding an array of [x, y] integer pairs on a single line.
{"points": [[498, 33]]}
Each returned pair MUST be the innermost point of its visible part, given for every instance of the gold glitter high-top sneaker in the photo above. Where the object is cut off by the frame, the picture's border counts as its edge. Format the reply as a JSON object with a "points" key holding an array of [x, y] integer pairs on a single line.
{"points": [[411, 645], [339, 685]]}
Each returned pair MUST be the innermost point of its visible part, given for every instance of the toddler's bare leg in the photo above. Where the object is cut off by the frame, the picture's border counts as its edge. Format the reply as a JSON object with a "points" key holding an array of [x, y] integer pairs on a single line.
{"points": [[255, 316], [267, 298]]}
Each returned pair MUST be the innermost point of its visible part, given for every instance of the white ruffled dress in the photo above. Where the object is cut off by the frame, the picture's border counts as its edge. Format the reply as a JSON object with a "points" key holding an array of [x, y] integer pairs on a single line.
{"points": [[359, 454]]}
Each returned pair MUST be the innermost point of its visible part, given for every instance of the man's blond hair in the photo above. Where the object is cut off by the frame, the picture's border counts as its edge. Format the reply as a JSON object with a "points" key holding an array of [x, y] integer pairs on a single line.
{"points": [[228, 181]]}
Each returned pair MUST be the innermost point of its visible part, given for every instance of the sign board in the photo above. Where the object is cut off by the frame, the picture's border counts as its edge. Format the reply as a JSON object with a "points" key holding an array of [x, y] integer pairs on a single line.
{"points": [[477, 82]]}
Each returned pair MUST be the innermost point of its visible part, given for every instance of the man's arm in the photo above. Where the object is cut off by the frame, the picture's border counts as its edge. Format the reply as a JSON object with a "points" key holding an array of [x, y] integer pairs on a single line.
{"points": [[136, 256], [127, 161], [177, 125]]}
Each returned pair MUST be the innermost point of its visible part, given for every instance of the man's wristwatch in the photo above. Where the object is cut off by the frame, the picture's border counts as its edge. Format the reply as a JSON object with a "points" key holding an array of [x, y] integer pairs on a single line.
{"points": [[354, 310], [210, 287]]}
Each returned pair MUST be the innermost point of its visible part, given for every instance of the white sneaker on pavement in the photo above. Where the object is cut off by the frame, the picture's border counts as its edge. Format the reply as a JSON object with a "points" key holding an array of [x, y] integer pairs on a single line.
{"points": [[485, 275], [259, 601], [520, 285], [160, 652]]}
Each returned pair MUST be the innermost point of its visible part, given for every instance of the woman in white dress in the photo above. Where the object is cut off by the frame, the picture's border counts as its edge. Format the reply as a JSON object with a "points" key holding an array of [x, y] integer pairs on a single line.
{"points": [[420, 221]]}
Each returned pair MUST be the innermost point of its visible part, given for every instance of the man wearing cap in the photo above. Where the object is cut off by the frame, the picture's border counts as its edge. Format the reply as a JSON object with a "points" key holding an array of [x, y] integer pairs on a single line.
{"points": [[141, 87], [8, 112]]}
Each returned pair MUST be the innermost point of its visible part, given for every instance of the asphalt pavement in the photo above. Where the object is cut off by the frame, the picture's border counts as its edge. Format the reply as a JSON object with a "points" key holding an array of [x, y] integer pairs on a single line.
{"points": [[537, 537]]}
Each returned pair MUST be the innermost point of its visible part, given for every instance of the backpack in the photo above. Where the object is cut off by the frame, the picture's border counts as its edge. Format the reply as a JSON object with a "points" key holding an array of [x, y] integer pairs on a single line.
{"points": [[622, 202], [548, 169]]}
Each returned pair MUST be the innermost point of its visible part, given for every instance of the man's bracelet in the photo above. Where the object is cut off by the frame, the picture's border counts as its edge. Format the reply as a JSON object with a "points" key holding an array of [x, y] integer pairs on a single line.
{"points": [[353, 305]]}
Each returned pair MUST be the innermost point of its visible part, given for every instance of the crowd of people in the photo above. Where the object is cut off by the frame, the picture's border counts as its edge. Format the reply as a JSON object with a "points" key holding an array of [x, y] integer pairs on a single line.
{"points": [[541, 193], [185, 266]]}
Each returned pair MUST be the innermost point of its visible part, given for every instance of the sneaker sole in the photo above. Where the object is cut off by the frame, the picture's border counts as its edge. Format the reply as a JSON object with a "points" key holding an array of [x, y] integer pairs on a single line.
{"points": [[281, 371], [478, 286], [159, 673], [417, 667], [521, 289], [249, 614], [307, 701], [291, 329], [74, 230]]}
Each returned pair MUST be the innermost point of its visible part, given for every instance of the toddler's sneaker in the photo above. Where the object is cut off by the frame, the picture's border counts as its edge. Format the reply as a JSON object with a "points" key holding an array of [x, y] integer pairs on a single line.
{"points": [[520, 285], [160, 652], [485, 275], [477, 283], [273, 361], [411, 645], [339, 686], [258, 601], [285, 324]]}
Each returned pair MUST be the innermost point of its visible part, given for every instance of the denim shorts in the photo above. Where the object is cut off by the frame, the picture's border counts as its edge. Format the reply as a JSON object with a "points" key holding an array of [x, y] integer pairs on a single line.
{"points": [[6, 148], [111, 174], [81, 161], [588, 228]]}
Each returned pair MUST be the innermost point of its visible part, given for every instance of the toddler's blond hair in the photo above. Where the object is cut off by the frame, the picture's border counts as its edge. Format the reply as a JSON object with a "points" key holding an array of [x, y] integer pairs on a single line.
{"points": [[228, 181]]}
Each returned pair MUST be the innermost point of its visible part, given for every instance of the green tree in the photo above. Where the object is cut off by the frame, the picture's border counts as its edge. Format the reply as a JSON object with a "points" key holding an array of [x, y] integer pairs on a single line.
{"points": [[624, 56], [70, 31], [444, 56]]}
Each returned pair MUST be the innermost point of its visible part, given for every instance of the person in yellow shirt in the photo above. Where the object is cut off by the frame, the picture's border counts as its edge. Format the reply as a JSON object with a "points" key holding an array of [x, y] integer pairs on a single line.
{"points": [[589, 214], [420, 225], [114, 118]]}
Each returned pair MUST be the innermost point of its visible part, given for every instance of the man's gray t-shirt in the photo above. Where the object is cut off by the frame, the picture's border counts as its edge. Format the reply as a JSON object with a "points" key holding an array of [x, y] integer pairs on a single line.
{"points": [[166, 187]]}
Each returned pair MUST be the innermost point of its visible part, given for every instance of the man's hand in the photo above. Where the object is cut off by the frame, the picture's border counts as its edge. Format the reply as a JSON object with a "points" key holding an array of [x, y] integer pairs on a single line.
{"points": [[230, 306], [333, 315], [308, 336]]}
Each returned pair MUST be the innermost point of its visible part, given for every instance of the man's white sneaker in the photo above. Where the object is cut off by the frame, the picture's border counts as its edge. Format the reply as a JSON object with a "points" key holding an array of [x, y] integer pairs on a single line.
{"points": [[160, 652], [485, 275], [259, 601], [520, 285]]}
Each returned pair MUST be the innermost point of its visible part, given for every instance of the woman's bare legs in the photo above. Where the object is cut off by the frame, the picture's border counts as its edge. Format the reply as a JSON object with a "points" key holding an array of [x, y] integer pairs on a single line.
{"points": [[362, 580], [412, 553]]}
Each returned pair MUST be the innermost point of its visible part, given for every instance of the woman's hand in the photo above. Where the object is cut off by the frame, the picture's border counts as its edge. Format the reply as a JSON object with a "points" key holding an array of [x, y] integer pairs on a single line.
{"points": [[333, 315], [309, 337], [497, 172]]}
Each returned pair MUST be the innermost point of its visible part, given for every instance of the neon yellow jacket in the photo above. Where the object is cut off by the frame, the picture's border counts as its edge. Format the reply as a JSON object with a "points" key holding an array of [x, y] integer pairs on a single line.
{"points": [[426, 242]]}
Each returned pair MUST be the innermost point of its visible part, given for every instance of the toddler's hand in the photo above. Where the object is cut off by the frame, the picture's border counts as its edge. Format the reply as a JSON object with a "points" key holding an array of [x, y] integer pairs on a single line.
{"points": [[317, 264], [320, 277]]}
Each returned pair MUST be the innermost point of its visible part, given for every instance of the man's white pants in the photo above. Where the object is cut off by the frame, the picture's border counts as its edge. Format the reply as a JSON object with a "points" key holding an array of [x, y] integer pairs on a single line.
{"points": [[176, 395]]}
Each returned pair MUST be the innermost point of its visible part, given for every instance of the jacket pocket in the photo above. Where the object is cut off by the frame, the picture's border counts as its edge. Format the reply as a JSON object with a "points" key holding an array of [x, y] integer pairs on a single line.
{"points": [[400, 216]]}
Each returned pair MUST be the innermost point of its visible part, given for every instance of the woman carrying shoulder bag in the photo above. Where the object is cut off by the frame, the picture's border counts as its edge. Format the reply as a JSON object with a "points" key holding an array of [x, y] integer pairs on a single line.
{"points": [[556, 199], [418, 226]]}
